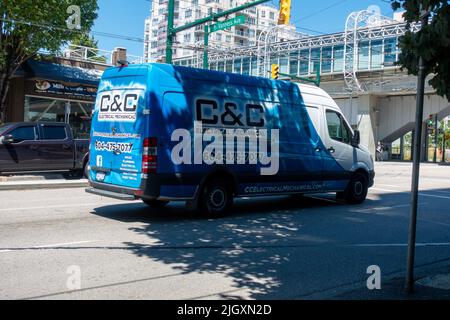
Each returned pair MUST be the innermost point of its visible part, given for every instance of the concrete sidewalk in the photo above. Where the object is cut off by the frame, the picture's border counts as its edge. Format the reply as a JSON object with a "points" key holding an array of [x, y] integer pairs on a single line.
{"points": [[40, 181]]}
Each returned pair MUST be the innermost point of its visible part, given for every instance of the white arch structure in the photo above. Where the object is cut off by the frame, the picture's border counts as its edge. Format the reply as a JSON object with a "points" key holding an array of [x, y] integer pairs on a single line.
{"points": [[356, 21]]}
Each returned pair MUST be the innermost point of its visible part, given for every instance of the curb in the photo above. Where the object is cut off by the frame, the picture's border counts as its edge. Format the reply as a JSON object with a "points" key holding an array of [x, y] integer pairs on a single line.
{"points": [[32, 185]]}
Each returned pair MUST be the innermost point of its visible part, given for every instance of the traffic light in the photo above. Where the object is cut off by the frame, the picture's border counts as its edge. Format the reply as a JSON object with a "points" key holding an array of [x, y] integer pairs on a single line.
{"points": [[275, 71], [430, 121], [285, 12]]}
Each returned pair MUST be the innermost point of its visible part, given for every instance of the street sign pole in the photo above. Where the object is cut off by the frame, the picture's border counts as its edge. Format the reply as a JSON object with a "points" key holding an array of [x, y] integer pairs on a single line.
{"points": [[169, 41], [409, 286], [205, 48]]}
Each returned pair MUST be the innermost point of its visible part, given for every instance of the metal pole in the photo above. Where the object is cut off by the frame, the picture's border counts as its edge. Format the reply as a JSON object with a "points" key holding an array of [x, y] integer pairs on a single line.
{"points": [[435, 137], [169, 42], [409, 286], [443, 142], [205, 49]]}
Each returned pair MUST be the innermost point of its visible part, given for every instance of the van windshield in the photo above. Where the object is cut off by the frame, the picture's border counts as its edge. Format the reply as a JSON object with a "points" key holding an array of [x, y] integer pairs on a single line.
{"points": [[4, 128]]}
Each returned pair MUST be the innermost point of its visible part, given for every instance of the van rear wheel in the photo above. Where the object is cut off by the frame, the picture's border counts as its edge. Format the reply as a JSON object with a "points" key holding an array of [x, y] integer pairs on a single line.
{"points": [[357, 189], [216, 199], [156, 203]]}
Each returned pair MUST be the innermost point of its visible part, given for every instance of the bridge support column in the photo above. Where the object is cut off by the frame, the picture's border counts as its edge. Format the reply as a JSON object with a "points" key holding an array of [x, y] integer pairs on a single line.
{"points": [[367, 121]]}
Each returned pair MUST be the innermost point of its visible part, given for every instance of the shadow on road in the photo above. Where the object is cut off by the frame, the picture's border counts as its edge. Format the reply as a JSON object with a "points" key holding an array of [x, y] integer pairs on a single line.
{"points": [[260, 246]]}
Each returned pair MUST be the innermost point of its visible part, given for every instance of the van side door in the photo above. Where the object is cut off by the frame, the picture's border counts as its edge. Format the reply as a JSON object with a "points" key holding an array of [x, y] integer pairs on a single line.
{"points": [[339, 154]]}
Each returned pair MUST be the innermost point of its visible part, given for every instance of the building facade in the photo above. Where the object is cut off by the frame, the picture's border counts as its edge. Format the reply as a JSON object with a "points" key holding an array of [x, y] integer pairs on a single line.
{"points": [[190, 42]]}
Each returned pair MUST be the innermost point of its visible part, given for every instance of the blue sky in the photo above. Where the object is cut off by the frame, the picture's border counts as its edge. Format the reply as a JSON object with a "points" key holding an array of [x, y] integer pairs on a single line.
{"points": [[126, 17]]}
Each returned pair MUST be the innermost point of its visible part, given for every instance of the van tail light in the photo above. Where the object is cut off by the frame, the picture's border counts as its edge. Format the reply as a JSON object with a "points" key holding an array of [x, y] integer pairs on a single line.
{"points": [[149, 157]]}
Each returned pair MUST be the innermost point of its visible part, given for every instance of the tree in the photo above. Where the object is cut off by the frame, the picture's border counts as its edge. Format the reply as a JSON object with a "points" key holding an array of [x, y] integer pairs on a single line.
{"points": [[85, 40], [28, 26], [432, 42]]}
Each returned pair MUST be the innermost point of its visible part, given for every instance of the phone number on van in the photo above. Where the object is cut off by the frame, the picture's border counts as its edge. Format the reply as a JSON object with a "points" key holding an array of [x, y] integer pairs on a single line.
{"points": [[113, 146]]}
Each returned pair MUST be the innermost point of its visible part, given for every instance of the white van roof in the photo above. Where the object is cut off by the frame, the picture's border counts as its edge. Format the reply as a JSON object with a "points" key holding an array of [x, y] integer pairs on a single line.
{"points": [[313, 95]]}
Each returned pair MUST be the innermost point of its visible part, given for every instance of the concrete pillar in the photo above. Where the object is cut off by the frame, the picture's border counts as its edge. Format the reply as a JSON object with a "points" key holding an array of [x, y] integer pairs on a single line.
{"points": [[367, 110]]}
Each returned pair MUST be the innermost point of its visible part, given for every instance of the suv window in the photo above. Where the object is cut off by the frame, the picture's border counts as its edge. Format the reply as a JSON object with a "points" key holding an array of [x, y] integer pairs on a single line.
{"points": [[54, 132], [4, 128], [337, 128], [24, 134]]}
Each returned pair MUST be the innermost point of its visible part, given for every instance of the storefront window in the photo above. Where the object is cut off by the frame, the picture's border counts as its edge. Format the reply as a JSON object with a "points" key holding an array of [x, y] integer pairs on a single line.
{"points": [[77, 114]]}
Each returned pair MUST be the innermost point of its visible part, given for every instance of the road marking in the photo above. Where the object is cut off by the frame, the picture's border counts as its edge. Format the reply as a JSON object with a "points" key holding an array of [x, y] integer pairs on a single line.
{"points": [[63, 244], [420, 193], [52, 245], [63, 206], [437, 244], [387, 208]]}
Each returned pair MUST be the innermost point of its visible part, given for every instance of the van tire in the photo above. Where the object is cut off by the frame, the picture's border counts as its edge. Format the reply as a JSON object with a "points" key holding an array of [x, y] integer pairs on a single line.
{"points": [[357, 189], [156, 203], [216, 198]]}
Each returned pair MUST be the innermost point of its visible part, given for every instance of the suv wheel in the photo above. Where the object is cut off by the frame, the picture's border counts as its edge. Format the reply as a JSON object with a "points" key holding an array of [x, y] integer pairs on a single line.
{"points": [[357, 189], [216, 199], [86, 169]]}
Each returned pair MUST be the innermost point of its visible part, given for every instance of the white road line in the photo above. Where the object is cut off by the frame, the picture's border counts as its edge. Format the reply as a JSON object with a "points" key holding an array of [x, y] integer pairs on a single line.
{"points": [[63, 244], [420, 194], [442, 244], [64, 206], [55, 245]]}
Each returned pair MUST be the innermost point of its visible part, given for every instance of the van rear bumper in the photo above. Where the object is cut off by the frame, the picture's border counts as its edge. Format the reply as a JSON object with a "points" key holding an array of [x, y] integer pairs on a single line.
{"points": [[105, 190]]}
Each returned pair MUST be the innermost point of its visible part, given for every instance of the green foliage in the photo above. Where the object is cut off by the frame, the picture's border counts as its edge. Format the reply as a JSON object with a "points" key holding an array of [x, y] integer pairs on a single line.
{"points": [[28, 26], [432, 42]]}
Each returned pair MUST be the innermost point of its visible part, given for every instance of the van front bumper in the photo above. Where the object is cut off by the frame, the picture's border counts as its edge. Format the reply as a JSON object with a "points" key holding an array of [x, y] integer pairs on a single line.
{"points": [[105, 190], [371, 178]]}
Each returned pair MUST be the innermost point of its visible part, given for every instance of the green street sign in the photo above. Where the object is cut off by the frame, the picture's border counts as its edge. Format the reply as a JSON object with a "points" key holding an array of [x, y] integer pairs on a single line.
{"points": [[227, 24]]}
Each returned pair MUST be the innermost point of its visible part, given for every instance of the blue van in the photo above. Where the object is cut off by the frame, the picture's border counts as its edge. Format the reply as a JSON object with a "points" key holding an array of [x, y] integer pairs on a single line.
{"points": [[165, 133]]}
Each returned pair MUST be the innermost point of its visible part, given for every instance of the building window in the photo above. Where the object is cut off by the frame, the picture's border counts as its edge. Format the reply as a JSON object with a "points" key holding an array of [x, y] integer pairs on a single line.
{"points": [[272, 15], [326, 60], [376, 54], [390, 51], [363, 56], [77, 114], [263, 14], [188, 13], [338, 57]]}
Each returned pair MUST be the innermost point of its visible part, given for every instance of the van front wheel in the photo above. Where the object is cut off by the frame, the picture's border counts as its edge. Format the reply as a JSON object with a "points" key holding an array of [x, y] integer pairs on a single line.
{"points": [[357, 189], [217, 199]]}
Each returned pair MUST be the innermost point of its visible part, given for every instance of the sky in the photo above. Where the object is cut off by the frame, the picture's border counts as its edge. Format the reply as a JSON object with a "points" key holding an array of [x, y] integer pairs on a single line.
{"points": [[126, 18]]}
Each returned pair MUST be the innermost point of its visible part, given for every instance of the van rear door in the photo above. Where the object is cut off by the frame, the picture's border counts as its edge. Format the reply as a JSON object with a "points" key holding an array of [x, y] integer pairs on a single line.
{"points": [[118, 128]]}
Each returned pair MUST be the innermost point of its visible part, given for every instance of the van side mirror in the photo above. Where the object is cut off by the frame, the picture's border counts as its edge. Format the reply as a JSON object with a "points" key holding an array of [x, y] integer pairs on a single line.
{"points": [[356, 138], [8, 139]]}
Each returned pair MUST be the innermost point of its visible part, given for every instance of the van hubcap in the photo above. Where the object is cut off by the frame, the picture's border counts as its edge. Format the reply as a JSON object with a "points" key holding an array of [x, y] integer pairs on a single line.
{"points": [[358, 188], [217, 198]]}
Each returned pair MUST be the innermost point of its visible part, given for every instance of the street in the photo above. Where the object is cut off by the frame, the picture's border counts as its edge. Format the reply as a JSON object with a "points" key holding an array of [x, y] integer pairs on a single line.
{"points": [[271, 248]]}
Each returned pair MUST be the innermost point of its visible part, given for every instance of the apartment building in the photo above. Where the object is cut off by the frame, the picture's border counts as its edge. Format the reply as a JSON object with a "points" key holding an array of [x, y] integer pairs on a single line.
{"points": [[190, 42]]}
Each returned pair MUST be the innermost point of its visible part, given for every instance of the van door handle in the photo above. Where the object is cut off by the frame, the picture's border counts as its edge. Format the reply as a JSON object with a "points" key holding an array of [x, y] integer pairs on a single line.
{"points": [[331, 150], [318, 149]]}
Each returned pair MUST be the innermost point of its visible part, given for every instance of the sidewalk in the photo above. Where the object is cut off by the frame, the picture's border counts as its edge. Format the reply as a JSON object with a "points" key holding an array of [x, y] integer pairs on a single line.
{"points": [[432, 283], [39, 181]]}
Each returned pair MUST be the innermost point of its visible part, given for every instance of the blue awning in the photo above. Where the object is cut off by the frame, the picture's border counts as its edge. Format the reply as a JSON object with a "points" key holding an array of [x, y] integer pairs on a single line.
{"points": [[58, 72]]}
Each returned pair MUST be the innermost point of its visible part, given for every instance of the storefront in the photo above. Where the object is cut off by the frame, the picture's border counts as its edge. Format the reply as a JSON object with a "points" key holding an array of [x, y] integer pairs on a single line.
{"points": [[52, 92]]}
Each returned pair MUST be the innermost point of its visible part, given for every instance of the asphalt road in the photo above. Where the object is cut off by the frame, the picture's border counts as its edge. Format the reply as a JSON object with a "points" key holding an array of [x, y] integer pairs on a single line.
{"points": [[272, 248]]}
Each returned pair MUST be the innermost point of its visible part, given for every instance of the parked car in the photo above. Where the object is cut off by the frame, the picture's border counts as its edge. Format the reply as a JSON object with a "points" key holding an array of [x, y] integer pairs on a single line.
{"points": [[39, 147]]}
